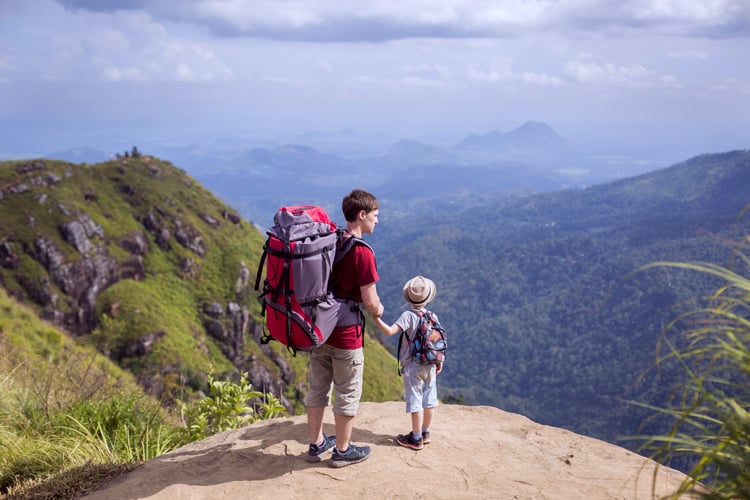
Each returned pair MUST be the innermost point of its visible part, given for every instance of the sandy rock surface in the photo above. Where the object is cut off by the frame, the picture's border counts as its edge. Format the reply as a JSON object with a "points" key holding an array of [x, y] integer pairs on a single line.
{"points": [[476, 452]]}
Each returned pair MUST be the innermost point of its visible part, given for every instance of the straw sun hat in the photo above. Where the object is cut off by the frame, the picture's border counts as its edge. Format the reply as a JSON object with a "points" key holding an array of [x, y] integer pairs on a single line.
{"points": [[419, 291]]}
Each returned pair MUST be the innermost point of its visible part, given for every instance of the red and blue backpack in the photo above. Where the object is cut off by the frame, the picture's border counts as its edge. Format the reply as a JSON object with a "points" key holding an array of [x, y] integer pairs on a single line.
{"points": [[428, 342]]}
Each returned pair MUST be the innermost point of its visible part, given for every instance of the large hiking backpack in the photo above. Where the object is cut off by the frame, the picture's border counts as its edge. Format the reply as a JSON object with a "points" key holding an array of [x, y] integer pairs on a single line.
{"points": [[297, 301], [429, 341]]}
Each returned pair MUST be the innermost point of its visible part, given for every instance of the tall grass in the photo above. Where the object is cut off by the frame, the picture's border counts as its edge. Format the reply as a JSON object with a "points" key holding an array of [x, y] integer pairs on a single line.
{"points": [[60, 439], [38, 442], [710, 414]]}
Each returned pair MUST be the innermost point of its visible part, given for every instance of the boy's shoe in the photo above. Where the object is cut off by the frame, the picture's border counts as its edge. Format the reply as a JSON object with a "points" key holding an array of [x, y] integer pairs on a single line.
{"points": [[409, 441], [352, 455], [426, 437], [316, 453]]}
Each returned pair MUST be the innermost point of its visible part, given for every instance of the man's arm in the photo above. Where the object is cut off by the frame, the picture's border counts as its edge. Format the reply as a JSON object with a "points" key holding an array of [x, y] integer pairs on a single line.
{"points": [[370, 300]]}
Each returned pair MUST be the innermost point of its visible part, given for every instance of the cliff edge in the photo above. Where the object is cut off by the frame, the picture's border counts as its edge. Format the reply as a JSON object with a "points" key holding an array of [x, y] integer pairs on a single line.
{"points": [[476, 452]]}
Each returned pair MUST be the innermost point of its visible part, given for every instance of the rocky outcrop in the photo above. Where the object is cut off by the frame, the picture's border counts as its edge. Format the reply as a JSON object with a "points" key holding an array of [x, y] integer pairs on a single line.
{"points": [[186, 235], [140, 347], [8, 258], [243, 282], [229, 326], [48, 254], [78, 232], [233, 217], [475, 452], [260, 377], [32, 180], [136, 243], [190, 238], [83, 280]]}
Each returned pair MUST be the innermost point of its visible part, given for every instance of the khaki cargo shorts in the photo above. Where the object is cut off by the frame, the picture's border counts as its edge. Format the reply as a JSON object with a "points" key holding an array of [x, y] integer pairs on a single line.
{"points": [[337, 370]]}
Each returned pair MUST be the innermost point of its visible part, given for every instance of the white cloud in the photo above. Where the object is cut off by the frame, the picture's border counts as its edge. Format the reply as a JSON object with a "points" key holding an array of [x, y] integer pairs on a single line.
{"points": [[122, 46], [612, 75], [324, 65], [117, 74], [470, 64], [355, 20], [727, 85], [688, 54], [698, 12], [415, 81], [436, 69], [501, 71]]}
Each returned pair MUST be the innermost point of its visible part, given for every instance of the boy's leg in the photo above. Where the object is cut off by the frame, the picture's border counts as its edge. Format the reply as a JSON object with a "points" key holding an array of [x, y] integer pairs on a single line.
{"points": [[413, 399], [428, 414], [430, 403], [416, 423]]}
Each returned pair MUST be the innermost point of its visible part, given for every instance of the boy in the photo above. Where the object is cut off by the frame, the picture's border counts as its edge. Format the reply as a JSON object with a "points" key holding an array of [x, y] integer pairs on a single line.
{"points": [[338, 365], [420, 380]]}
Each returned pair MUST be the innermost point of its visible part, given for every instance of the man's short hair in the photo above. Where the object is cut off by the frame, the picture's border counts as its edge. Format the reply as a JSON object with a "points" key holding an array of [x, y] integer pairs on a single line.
{"points": [[357, 200]]}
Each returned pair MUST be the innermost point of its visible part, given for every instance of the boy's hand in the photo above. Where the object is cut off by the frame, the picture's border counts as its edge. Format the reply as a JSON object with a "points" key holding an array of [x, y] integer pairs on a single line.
{"points": [[439, 368]]}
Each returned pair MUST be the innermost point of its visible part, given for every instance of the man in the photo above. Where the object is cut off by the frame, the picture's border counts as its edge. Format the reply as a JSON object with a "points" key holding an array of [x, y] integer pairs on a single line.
{"points": [[339, 364]]}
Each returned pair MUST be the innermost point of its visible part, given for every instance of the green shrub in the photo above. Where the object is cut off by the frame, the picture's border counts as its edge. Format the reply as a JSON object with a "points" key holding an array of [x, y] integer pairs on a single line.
{"points": [[227, 406]]}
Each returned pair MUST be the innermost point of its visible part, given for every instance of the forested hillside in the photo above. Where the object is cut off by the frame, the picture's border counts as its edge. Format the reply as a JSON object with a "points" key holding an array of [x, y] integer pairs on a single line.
{"points": [[545, 312], [137, 259]]}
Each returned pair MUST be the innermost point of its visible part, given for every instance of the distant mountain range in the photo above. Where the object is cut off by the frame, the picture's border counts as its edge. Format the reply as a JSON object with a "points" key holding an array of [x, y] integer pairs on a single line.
{"points": [[257, 178]]}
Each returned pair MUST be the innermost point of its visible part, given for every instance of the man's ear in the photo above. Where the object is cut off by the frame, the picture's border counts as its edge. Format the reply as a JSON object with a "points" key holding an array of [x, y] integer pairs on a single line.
{"points": [[362, 215]]}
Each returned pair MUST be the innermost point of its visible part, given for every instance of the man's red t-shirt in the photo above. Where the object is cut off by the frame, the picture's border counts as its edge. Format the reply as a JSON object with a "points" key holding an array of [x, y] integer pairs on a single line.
{"points": [[356, 269]]}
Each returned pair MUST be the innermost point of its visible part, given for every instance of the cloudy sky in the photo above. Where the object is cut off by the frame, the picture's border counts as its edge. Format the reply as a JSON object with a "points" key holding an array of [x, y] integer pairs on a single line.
{"points": [[626, 72]]}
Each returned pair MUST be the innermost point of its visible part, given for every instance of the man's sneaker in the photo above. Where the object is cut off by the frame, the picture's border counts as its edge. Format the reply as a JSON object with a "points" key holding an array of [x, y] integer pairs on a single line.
{"points": [[426, 437], [352, 455], [316, 453], [409, 441]]}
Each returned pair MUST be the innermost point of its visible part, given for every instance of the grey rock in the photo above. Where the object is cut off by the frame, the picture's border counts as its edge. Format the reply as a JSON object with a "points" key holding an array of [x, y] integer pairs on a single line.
{"points": [[135, 243], [48, 254]]}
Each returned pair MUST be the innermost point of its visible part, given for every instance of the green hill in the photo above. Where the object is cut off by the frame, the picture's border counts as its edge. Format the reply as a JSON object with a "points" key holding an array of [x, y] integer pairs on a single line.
{"points": [[136, 258]]}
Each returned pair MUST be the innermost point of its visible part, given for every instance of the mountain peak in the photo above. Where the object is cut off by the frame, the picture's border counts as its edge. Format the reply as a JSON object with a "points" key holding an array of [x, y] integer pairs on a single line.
{"points": [[532, 129], [531, 137]]}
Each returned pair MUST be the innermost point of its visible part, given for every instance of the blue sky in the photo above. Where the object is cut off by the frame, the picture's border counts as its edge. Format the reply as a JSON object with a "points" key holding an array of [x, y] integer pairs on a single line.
{"points": [[630, 73]]}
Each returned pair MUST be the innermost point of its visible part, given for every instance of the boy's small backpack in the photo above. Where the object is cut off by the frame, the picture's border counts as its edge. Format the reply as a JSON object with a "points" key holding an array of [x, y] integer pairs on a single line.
{"points": [[297, 301], [429, 341]]}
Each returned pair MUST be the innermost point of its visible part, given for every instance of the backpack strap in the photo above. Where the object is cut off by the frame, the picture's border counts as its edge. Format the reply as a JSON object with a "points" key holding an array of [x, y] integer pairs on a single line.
{"points": [[403, 334], [343, 247], [398, 352]]}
